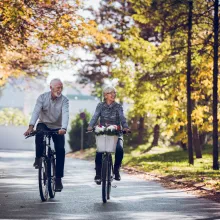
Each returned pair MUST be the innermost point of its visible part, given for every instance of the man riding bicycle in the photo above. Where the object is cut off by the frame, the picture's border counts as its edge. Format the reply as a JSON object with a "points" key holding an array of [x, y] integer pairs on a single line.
{"points": [[52, 110]]}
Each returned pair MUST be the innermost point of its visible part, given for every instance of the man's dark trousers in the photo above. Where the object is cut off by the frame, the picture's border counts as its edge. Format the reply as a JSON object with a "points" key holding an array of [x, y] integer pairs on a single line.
{"points": [[59, 142]]}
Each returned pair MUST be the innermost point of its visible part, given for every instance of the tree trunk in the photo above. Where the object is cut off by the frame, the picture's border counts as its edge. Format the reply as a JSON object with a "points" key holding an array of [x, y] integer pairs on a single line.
{"points": [[203, 138], [215, 88], [156, 135], [183, 145], [141, 130], [134, 124], [196, 142], [189, 103]]}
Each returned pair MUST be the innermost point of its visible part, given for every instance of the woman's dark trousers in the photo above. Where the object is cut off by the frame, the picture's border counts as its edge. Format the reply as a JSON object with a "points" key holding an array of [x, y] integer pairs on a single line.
{"points": [[119, 153]]}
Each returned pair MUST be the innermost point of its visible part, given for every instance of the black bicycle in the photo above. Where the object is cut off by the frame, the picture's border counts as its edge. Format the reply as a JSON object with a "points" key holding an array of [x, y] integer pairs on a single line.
{"points": [[47, 166], [107, 173]]}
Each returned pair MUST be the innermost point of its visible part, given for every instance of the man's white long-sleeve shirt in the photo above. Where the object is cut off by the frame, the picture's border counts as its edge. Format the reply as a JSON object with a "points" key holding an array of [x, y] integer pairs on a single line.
{"points": [[53, 113]]}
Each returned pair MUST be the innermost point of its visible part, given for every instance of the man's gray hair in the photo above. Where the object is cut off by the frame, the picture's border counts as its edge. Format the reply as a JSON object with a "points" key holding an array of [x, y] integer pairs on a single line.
{"points": [[109, 89], [54, 81]]}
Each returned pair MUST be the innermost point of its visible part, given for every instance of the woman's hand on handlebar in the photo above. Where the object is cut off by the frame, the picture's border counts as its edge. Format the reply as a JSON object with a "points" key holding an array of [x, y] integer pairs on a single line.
{"points": [[126, 130], [89, 128]]}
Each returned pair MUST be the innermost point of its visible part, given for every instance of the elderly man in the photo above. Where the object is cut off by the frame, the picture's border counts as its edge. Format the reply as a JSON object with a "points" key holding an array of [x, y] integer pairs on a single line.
{"points": [[52, 110]]}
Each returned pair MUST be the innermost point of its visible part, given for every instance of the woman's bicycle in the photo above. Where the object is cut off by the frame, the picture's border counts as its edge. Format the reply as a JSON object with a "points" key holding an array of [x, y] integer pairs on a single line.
{"points": [[47, 166], [106, 175], [107, 172]]}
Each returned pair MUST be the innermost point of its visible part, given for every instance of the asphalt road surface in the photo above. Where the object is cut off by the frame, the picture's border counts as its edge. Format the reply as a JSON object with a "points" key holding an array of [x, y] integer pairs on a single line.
{"points": [[81, 197]]}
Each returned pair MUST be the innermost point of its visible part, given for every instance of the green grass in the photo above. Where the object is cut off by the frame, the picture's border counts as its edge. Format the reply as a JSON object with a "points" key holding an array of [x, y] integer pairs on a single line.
{"points": [[173, 162]]}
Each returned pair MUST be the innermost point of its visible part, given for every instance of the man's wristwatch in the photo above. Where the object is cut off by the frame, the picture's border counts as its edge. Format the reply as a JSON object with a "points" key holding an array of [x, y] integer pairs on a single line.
{"points": [[63, 129]]}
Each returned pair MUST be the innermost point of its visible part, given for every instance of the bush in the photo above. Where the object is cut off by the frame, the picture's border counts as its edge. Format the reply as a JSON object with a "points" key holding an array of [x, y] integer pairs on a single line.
{"points": [[75, 133], [12, 116]]}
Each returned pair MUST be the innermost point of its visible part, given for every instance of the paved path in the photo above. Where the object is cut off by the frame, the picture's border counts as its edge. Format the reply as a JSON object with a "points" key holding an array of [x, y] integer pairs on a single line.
{"points": [[81, 197]]}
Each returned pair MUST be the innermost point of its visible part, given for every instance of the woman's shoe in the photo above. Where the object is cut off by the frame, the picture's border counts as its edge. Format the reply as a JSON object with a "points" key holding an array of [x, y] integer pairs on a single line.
{"points": [[97, 178], [116, 172]]}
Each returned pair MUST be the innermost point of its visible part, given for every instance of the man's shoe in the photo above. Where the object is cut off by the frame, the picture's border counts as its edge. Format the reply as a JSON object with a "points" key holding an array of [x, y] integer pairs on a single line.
{"points": [[58, 185], [116, 172], [97, 178], [36, 163]]}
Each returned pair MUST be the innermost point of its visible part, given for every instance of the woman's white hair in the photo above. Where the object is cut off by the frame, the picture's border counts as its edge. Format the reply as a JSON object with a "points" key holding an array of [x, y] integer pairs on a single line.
{"points": [[108, 89], [54, 81]]}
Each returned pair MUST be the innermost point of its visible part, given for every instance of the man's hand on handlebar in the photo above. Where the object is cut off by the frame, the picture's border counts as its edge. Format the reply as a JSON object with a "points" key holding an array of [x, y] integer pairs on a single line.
{"points": [[29, 130], [62, 132]]}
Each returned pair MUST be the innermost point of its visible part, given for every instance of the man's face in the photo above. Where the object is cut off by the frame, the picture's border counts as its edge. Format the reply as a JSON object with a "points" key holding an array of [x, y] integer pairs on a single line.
{"points": [[57, 89]]}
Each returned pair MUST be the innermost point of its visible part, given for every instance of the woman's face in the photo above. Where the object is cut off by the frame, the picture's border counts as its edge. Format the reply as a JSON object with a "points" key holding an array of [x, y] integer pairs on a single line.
{"points": [[110, 96]]}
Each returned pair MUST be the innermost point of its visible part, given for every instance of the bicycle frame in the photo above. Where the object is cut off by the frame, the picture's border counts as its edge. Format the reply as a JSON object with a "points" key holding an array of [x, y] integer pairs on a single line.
{"points": [[107, 175], [47, 152], [107, 171], [108, 156]]}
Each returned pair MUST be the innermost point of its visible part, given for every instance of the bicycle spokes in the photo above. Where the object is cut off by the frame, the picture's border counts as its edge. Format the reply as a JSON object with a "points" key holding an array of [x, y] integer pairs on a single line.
{"points": [[43, 179], [51, 177], [107, 177]]}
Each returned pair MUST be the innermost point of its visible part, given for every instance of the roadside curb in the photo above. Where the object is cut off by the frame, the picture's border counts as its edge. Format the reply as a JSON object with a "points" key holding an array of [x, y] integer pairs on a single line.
{"points": [[167, 180]]}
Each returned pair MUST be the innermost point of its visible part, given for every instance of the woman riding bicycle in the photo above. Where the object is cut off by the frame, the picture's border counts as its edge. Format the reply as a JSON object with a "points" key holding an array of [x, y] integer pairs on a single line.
{"points": [[110, 113]]}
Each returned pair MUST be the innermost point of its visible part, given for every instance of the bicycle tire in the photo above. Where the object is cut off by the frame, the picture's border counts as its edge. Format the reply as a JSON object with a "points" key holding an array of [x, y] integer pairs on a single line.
{"points": [[109, 178], [43, 180], [51, 177], [104, 179]]}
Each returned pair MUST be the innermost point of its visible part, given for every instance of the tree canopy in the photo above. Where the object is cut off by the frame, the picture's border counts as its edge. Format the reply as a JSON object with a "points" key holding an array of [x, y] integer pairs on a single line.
{"points": [[33, 32], [149, 60]]}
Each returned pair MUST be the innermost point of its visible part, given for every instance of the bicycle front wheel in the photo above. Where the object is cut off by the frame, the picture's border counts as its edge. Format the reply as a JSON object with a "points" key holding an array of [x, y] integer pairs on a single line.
{"points": [[51, 177], [109, 177], [42, 179], [104, 178]]}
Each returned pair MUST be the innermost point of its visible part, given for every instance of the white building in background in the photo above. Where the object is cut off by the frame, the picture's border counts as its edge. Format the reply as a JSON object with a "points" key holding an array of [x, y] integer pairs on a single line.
{"points": [[11, 97], [79, 98]]}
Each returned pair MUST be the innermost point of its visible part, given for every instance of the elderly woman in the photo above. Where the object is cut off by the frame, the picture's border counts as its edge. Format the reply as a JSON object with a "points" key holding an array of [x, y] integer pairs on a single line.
{"points": [[110, 113]]}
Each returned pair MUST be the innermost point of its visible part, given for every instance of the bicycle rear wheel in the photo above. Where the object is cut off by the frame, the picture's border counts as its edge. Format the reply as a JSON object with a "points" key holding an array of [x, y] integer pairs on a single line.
{"points": [[104, 178], [51, 177], [42, 179], [109, 177]]}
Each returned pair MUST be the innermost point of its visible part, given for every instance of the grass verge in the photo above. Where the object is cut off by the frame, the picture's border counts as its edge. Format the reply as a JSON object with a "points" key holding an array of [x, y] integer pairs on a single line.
{"points": [[172, 162]]}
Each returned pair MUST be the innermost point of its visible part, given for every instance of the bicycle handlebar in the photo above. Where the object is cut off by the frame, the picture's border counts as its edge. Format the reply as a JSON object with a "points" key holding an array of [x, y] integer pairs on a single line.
{"points": [[41, 132], [120, 131]]}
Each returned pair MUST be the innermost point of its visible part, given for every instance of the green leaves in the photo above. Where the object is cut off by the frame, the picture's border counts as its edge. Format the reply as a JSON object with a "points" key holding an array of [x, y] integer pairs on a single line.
{"points": [[153, 64], [12, 116], [47, 28]]}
